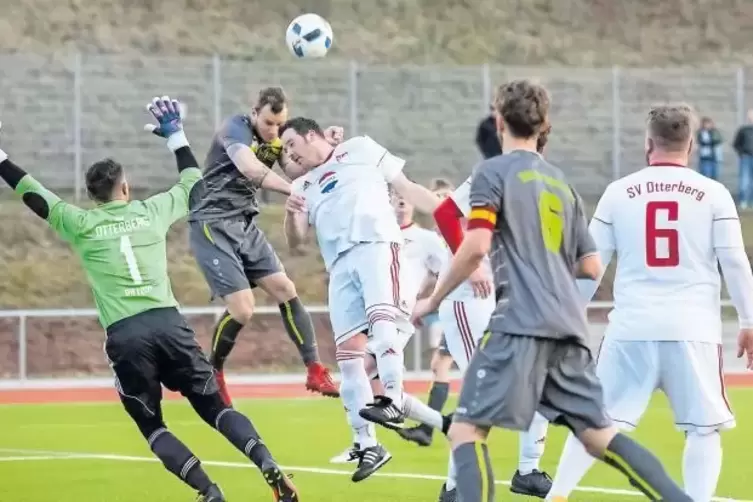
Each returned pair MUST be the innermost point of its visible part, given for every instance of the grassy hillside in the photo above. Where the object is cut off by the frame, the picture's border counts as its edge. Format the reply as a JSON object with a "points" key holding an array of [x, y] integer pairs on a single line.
{"points": [[572, 32], [40, 271]]}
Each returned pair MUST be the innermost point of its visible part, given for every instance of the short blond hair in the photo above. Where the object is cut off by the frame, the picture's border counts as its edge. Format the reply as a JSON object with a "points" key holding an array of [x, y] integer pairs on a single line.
{"points": [[671, 127]]}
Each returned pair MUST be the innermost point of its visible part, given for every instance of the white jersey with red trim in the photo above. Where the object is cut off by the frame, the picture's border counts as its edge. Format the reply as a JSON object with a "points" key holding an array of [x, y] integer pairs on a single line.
{"points": [[665, 224], [423, 255], [347, 197], [461, 197]]}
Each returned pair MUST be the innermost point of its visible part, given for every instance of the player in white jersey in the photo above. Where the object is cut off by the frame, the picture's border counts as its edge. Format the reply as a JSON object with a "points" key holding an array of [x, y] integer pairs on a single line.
{"points": [[422, 258], [441, 360], [669, 227], [343, 193], [464, 315]]}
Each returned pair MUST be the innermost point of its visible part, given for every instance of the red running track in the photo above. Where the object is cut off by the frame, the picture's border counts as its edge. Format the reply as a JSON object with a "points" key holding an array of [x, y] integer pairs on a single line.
{"points": [[254, 391]]}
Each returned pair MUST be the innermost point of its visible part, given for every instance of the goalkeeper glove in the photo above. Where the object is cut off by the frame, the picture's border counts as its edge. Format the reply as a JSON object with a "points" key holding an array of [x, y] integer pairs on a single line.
{"points": [[169, 114]]}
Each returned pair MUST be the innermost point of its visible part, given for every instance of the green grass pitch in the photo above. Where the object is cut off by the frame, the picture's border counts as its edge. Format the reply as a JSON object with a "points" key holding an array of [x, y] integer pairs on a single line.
{"points": [[303, 434]]}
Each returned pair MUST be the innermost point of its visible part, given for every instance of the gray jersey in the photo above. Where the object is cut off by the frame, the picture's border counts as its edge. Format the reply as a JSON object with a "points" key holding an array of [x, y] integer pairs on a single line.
{"points": [[540, 234], [224, 191]]}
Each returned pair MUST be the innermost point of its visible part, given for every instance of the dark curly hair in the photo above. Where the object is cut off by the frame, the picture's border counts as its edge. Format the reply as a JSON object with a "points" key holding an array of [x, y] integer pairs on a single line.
{"points": [[524, 106], [101, 179]]}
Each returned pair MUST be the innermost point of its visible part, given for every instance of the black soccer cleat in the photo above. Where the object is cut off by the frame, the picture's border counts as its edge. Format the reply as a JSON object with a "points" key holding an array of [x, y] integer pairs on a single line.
{"points": [[372, 459], [448, 496], [534, 484], [383, 412], [419, 435], [282, 488], [213, 494]]}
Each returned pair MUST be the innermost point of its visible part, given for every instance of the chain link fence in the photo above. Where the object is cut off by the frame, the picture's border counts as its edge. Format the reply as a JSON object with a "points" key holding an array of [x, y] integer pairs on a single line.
{"points": [[60, 114]]}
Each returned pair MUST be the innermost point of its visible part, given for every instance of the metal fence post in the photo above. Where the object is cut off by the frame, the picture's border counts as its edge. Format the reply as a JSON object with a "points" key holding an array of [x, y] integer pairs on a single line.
{"points": [[740, 95], [486, 88], [77, 154], [616, 123], [217, 87], [22, 367], [353, 91]]}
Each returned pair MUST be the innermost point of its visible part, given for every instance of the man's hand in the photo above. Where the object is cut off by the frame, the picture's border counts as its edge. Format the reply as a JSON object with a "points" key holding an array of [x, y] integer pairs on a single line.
{"points": [[480, 282], [169, 115], [745, 346], [334, 135], [424, 307], [295, 204]]}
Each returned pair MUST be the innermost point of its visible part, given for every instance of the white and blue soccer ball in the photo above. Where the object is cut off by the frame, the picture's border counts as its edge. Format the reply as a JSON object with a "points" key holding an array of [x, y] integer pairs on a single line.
{"points": [[309, 36]]}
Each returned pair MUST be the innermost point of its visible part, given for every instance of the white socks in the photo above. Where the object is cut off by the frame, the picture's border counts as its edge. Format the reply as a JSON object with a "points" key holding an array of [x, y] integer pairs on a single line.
{"points": [[355, 392], [575, 462], [532, 445], [389, 355], [415, 409], [701, 465]]}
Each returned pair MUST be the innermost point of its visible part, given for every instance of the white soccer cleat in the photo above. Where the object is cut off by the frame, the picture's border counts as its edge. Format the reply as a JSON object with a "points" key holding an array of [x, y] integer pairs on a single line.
{"points": [[349, 456]]}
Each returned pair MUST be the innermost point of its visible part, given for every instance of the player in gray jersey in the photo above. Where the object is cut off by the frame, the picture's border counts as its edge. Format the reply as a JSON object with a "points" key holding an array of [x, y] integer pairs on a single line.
{"points": [[232, 252], [534, 356]]}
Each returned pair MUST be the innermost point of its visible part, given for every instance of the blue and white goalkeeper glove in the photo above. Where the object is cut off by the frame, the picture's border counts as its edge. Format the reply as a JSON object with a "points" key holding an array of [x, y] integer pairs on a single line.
{"points": [[169, 114]]}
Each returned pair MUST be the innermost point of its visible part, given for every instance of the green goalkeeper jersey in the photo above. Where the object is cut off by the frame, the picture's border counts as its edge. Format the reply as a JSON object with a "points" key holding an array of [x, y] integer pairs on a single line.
{"points": [[122, 245]]}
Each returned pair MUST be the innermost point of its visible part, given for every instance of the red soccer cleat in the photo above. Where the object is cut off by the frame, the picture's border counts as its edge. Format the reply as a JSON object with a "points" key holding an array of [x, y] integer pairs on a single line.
{"points": [[220, 376], [319, 380]]}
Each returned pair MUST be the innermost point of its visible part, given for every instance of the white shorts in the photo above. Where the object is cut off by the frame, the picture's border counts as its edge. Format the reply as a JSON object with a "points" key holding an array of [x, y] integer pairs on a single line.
{"points": [[689, 373], [365, 280], [464, 323]]}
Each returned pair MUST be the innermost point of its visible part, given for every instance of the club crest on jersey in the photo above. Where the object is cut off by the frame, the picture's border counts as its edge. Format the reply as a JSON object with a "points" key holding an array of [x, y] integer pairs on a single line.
{"points": [[327, 182]]}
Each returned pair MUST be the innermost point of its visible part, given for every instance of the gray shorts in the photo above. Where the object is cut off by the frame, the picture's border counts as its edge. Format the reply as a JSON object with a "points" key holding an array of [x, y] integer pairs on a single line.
{"points": [[510, 377], [232, 253]]}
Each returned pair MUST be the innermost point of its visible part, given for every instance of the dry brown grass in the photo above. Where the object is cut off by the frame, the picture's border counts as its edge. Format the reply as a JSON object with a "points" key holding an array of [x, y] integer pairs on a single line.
{"points": [[572, 32]]}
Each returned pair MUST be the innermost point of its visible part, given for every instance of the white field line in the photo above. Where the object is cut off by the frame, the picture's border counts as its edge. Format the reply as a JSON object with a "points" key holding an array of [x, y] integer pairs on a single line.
{"points": [[23, 455]]}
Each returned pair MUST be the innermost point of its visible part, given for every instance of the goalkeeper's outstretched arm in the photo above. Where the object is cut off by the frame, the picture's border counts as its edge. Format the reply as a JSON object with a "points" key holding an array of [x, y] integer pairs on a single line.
{"points": [[61, 216]]}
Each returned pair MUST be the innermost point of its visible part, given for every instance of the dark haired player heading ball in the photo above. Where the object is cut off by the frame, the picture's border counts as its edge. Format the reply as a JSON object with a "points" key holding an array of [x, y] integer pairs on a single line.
{"points": [[534, 356], [232, 252], [122, 246]]}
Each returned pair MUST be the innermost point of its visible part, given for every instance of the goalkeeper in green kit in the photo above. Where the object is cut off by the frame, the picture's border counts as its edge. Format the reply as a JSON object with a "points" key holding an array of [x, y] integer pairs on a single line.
{"points": [[122, 247]]}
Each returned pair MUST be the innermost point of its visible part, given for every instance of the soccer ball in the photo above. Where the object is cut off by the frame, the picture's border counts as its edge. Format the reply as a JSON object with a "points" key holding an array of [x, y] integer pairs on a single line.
{"points": [[309, 36]]}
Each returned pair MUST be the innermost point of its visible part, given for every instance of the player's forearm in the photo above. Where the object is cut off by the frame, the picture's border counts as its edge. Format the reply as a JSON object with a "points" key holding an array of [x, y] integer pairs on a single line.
{"points": [[10, 172], [296, 230], [739, 278], [464, 263], [250, 167], [589, 286], [185, 159], [427, 286], [419, 196], [25, 186], [276, 183]]}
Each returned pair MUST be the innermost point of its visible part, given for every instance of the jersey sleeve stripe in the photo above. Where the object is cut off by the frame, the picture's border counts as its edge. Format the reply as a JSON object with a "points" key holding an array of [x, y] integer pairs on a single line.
{"points": [[728, 218]]}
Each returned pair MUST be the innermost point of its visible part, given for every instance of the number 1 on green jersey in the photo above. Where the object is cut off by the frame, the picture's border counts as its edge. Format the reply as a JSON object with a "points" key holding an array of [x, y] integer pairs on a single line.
{"points": [[133, 267]]}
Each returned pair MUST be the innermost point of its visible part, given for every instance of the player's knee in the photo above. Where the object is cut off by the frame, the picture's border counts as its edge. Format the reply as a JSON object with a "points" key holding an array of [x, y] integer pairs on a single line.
{"points": [[461, 433], [208, 407], [370, 365], [279, 286], [596, 441], [440, 365], [148, 425], [240, 306]]}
